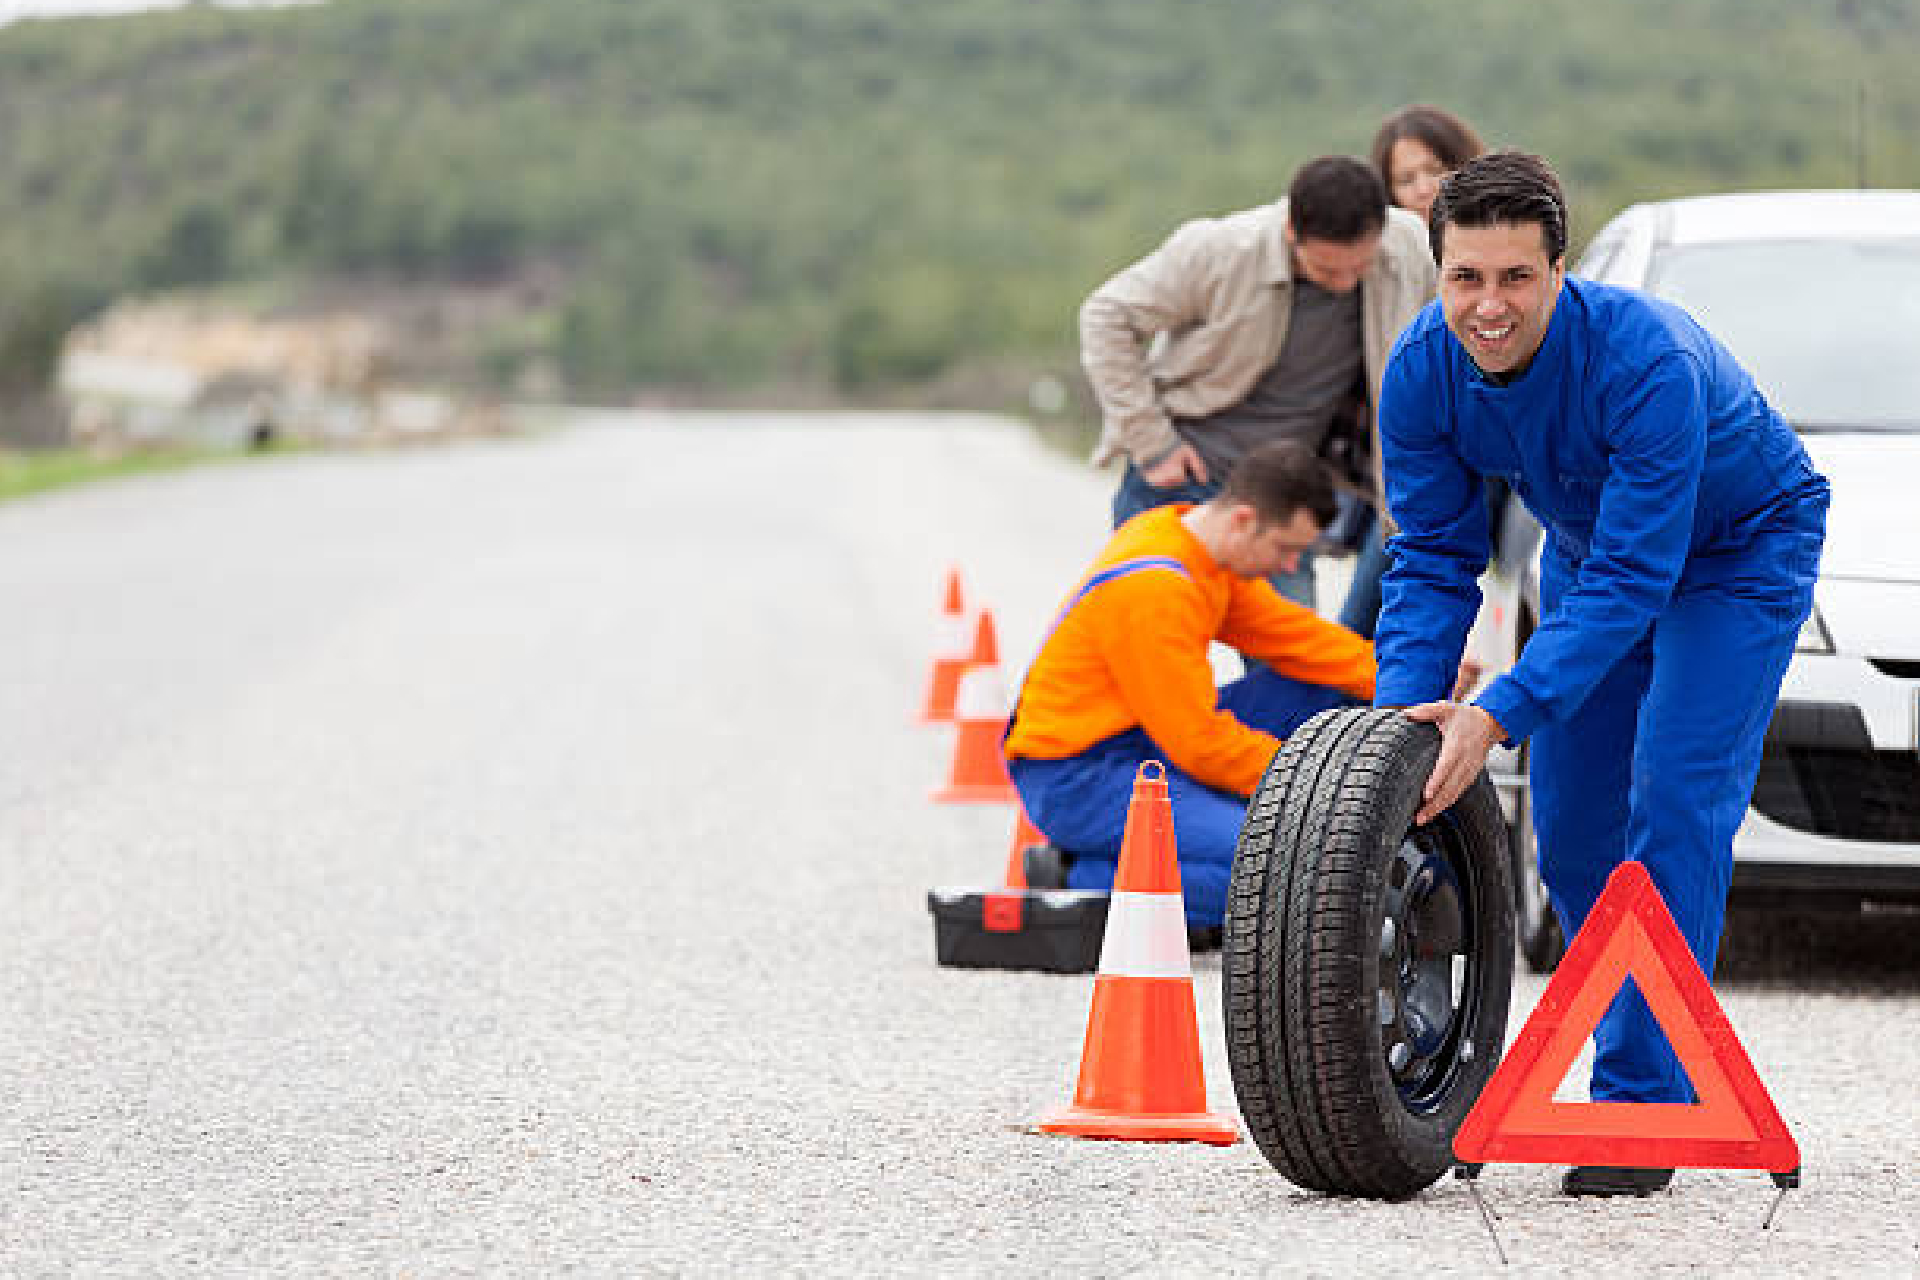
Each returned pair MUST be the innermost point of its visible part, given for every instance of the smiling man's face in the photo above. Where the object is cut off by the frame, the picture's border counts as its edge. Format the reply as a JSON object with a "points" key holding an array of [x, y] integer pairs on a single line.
{"points": [[1497, 291]]}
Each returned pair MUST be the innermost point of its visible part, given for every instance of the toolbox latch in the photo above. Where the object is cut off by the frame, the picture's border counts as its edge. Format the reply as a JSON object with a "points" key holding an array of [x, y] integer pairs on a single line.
{"points": [[1002, 912]]}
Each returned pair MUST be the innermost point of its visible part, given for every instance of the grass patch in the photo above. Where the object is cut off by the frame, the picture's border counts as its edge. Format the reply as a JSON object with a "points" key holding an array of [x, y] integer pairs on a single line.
{"points": [[22, 474]]}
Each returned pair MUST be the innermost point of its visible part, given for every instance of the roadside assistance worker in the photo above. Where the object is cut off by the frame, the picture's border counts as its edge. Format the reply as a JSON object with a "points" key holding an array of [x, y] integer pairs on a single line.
{"points": [[1123, 676], [1683, 524], [1269, 324]]}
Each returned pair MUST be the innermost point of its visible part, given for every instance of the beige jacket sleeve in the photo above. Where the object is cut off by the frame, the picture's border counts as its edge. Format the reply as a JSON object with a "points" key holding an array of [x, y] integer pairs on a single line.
{"points": [[1408, 281], [1164, 291]]}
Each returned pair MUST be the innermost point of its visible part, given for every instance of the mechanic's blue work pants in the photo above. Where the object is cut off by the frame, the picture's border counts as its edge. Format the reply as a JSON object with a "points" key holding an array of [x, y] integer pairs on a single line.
{"points": [[1658, 765], [1135, 495], [1081, 802]]}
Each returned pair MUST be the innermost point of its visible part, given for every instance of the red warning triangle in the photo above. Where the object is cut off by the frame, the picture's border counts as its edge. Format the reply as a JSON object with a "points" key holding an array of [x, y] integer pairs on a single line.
{"points": [[1734, 1125]]}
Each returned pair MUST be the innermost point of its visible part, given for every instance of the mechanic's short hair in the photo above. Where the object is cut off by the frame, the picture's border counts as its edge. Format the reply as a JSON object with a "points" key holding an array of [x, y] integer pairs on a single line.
{"points": [[1279, 478], [1336, 198], [1502, 189]]}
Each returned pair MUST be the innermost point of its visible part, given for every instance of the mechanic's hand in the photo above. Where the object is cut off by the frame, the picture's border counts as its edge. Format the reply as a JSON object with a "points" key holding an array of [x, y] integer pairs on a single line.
{"points": [[1467, 734], [1178, 467], [1471, 670]]}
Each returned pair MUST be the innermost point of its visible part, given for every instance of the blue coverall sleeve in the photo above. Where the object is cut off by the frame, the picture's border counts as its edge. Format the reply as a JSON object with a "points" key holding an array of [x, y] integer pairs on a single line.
{"points": [[1656, 436], [1431, 590]]}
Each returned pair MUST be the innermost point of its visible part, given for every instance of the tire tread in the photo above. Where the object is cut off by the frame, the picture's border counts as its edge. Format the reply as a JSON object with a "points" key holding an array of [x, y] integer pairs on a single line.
{"points": [[1302, 920]]}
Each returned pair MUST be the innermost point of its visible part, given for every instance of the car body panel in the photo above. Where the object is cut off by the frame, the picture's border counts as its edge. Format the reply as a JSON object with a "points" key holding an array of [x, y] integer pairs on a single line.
{"points": [[1780, 215], [1876, 619], [1873, 529]]}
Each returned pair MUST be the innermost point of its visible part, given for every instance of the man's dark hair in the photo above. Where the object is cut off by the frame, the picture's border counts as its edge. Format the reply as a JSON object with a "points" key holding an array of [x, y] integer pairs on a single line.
{"points": [[1502, 189], [1336, 198], [1280, 478]]}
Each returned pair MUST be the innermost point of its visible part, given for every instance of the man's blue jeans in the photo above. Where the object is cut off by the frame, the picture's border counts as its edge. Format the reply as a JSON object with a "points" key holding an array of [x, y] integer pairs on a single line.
{"points": [[1081, 802], [1135, 495], [1361, 613]]}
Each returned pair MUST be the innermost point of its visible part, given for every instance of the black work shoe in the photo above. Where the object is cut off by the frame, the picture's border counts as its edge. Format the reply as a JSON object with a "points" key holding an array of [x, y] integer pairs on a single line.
{"points": [[1614, 1180], [1202, 937], [1046, 866]]}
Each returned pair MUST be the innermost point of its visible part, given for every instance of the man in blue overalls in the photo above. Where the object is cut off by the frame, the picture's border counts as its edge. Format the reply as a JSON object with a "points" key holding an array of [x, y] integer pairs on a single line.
{"points": [[1684, 524]]}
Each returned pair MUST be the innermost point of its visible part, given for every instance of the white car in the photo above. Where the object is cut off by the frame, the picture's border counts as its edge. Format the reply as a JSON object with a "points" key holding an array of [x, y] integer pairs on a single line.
{"points": [[1817, 294]]}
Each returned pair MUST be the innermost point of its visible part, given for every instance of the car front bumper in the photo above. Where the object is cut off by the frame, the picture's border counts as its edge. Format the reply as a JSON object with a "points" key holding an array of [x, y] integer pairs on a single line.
{"points": [[1836, 810]]}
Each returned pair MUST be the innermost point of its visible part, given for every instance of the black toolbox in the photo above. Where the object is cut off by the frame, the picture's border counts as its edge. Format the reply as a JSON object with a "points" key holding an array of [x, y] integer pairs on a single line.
{"points": [[1053, 930]]}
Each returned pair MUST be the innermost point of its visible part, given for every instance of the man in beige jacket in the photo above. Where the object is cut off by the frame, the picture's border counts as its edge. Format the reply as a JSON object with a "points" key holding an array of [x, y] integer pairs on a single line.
{"points": [[1270, 324]]}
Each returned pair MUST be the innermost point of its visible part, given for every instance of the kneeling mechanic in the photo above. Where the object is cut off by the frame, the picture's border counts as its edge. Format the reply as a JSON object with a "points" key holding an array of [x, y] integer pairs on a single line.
{"points": [[1123, 675]]}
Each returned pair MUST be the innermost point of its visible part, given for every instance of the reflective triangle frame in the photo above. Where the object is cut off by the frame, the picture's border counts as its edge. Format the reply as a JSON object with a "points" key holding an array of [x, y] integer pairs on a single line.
{"points": [[1734, 1125]]}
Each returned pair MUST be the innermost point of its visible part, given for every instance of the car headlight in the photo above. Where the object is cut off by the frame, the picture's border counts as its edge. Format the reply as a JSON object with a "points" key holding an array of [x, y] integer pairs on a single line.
{"points": [[1813, 636]]}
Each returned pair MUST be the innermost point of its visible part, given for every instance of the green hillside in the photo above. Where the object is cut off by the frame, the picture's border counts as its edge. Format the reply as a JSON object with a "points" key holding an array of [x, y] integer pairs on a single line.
{"points": [[848, 195]]}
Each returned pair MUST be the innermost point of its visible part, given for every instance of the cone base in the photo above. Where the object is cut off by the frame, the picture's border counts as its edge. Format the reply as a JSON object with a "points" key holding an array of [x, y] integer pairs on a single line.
{"points": [[976, 793], [1079, 1122]]}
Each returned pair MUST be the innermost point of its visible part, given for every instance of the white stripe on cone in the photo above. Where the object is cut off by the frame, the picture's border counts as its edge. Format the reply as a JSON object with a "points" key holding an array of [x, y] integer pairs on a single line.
{"points": [[982, 694], [953, 638], [1146, 937]]}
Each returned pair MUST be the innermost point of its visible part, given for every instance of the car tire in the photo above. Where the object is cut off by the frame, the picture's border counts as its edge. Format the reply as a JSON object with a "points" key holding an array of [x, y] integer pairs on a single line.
{"points": [[1542, 943], [1367, 962]]}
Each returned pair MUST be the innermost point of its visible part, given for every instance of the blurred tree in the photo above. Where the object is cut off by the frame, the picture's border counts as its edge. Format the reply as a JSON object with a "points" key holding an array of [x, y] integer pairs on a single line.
{"points": [[195, 248], [850, 193], [33, 327]]}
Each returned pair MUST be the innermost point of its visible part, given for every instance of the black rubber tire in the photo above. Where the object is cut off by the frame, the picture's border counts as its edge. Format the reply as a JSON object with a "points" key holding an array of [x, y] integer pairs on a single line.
{"points": [[1322, 859]]}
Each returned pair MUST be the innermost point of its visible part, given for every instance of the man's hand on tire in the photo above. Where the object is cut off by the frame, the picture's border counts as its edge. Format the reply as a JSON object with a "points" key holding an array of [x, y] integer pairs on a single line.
{"points": [[1467, 734]]}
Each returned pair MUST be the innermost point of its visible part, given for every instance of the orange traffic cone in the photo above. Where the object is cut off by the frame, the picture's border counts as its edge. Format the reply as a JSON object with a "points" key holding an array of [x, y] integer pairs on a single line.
{"points": [[1025, 836], [950, 655], [955, 604], [1140, 1071], [979, 771], [986, 641]]}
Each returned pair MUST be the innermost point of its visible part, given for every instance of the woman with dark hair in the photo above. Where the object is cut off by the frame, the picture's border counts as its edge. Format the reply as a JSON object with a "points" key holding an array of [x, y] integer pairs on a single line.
{"points": [[1413, 150], [1418, 146]]}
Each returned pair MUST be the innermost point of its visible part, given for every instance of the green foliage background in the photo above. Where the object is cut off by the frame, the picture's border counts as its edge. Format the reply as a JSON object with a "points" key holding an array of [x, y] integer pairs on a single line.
{"points": [[849, 194]]}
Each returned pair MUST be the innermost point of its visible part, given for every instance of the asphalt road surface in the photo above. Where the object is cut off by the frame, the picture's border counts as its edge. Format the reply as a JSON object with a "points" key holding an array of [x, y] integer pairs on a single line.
{"points": [[511, 859]]}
